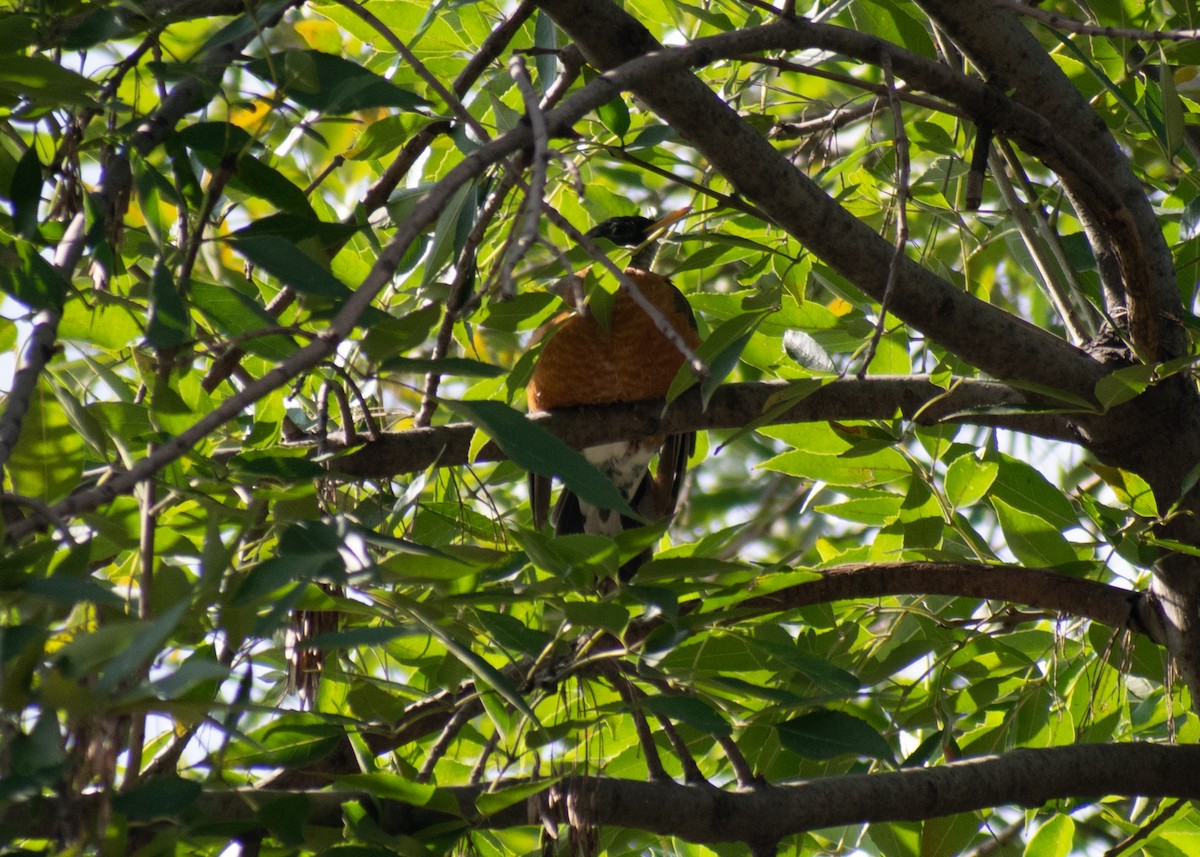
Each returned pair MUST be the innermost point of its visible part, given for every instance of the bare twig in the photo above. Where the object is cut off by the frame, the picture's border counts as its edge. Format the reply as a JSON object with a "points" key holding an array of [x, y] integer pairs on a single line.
{"points": [[40, 511], [459, 303], [527, 222], [742, 772], [901, 241], [460, 719], [629, 695], [1146, 829], [1082, 28], [1030, 231]]}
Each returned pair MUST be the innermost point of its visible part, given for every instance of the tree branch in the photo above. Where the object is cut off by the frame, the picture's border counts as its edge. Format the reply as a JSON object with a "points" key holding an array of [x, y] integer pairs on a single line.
{"points": [[705, 814], [731, 406], [1042, 589]]}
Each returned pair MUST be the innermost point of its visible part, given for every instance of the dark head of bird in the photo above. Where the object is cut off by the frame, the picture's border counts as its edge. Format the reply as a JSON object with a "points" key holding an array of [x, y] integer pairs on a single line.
{"points": [[629, 231]]}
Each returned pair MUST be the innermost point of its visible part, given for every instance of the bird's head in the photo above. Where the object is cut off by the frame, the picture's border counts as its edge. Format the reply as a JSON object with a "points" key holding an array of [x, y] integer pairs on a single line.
{"points": [[630, 231], [635, 231]]}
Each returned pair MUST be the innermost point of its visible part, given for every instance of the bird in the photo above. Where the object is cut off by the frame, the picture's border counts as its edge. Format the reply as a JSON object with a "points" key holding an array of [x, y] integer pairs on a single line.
{"points": [[629, 359]]}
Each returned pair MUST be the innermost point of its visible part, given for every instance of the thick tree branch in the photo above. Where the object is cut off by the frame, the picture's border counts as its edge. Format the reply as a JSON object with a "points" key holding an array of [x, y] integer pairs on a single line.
{"points": [[731, 406], [705, 814], [1042, 589]]}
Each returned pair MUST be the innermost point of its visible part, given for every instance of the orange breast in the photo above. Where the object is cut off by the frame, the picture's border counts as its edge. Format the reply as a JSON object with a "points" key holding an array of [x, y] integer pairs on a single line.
{"points": [[582, 364]]}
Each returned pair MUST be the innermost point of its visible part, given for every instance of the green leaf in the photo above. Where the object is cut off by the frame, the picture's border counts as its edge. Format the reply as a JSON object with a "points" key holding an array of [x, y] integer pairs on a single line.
{"points": [[827, 734], [1055, 838], [720, 351], [292, 468], [513, 634], [29, 278], [535, 449], [281, 259], [1173, 121], [1131, 489], [44, 83], [48, 458], [17, 31], [878, 468], [257, 179], [392, 787], [1032, 539], [614, 115], [691, 710], [286, 817], [331, 83], [1022, 487], [294, 738], [968, 480], [1124, 384], [236, 315], [143, 647], [1189, 223], [169, 324], [492, 802], [484, 671], [214, 142], [25, 193], [161, 797], [395, 335]]}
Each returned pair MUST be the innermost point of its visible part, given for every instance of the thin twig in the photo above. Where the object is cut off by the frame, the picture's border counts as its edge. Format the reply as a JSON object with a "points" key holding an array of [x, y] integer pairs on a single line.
{"points": [[1146, 829], [459, 299], [628, 694], [1050, 274], [40, 511], [742, 771], [902, 176], [528, 216], [460, 719], [692, 774], [480, 767], [1082, 28]]}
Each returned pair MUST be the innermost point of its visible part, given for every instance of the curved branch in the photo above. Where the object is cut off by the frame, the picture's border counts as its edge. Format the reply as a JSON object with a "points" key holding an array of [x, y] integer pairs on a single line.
{"points": [[731, 406], [705, 814], [1040, 588]]}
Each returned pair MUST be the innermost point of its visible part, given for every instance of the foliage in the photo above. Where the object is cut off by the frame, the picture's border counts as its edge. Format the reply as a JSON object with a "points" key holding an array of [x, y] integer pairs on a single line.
{"points": [[231, 228]]}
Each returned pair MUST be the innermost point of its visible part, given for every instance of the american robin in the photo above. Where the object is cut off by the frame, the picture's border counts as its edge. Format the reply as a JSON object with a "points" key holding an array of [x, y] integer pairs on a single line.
{"points": [[584, 362]]}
